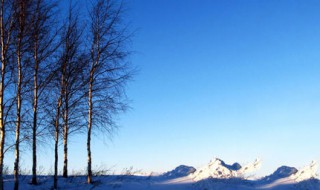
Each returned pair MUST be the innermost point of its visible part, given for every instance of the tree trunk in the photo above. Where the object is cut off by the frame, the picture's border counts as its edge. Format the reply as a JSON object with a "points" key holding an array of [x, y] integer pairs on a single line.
{"points": [[3, 66], [65, 150], [17, 152], [2, 126], [65, 136], [34, 128], [89, 180], [55, 179], [19, 56]]}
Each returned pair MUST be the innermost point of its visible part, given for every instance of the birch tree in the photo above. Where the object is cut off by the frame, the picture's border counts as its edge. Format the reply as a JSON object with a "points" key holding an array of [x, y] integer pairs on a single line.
{"points": [[109, 70], [6, 26], [73, 84], [43, 46], [20, 37]]}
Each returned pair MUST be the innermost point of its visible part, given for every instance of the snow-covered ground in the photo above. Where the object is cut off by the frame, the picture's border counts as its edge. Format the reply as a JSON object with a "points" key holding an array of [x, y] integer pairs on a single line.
{"points": [[216, 175]]}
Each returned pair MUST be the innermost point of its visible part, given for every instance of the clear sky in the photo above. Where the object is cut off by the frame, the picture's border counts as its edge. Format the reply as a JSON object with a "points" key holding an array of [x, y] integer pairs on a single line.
{"points": [[235, 79]]}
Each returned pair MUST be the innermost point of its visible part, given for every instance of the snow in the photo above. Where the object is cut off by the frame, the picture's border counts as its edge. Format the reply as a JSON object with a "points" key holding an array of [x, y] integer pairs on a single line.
{"points": [[219, 169], [216, 175], [306, 173], [281, 172], [180, 171]]}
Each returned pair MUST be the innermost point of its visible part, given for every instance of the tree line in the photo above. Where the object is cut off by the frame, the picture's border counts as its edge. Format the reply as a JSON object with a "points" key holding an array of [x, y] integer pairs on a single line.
{"points": [[60, 75]]}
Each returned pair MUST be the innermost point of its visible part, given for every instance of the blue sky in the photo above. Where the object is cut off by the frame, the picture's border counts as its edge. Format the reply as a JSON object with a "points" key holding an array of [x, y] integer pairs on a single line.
{"points": [[231, 79]]}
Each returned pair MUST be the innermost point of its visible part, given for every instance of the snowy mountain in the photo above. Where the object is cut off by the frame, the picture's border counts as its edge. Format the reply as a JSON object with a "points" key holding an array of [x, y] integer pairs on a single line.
{"points": [[219, 169], [180, 171]]}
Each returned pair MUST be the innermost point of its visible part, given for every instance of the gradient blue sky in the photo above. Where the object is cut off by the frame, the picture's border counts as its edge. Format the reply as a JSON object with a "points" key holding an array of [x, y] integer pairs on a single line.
{"points": [[235, 79], [232, 79]]}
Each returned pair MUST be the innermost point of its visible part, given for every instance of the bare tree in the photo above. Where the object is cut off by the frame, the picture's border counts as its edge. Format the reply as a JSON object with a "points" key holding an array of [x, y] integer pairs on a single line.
{"points": [[73, 84], [108, 72], [96, 75], [69, 81], [22, 8], [42, 42], [6, 25]]}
